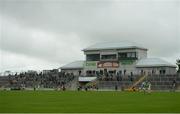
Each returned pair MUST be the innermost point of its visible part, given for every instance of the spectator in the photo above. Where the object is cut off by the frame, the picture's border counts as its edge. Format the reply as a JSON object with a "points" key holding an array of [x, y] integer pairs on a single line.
{"points": [[116, 87], [173, 85], [86, 88], [149, 87]]}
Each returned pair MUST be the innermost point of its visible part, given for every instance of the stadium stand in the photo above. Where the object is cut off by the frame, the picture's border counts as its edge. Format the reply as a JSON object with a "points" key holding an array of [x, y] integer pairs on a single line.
{"points": [[70, 81], [31, 80], [158, 82]]}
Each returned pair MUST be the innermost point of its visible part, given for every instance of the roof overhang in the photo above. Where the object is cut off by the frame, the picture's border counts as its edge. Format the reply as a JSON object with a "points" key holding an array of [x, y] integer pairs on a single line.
{"points": [[98, 49], [154, 66], [73, 65], [62, 68], [153, 62]]}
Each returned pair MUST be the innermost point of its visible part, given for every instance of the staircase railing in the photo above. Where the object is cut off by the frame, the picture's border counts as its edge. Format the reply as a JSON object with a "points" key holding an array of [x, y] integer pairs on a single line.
{"points": [[138, 81]]}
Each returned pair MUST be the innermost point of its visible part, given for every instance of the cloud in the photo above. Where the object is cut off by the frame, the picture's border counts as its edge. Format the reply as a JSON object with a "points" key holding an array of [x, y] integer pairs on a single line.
{"points": [[57, 31], [20, 62], [50, 47]]}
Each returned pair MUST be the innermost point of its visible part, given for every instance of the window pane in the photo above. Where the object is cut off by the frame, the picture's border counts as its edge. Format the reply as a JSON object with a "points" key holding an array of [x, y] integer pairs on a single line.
{"points": [[133, 54], [108, 56], [93, 57], [128, 55]]}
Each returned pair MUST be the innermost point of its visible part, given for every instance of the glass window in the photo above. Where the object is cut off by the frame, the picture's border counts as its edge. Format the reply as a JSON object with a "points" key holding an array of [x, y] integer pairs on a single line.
{"points": [[122, 55], [133, 55], [93, 57], [113, 56], [128, 55]]}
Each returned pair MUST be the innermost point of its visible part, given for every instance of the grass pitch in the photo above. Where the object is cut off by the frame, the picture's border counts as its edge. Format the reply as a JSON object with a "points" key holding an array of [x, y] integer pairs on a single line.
{"points": [[86, 102]]}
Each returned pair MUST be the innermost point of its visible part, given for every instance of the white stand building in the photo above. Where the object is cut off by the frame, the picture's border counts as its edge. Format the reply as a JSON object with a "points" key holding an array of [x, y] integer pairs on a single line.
{"points": [[124, 58]]}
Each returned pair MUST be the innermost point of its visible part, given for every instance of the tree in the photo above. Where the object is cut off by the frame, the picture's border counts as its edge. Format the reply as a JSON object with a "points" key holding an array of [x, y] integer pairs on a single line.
{"points": [[178, 64]]}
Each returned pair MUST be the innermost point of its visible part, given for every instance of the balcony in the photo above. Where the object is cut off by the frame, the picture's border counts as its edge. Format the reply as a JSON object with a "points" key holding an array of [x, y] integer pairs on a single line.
{"points": [[127, 58], [109, 59], [112, 57]]}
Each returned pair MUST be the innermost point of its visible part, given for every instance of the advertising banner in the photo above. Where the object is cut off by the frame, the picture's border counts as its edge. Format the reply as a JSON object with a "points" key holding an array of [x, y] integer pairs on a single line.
{"points": [[109, 64]]}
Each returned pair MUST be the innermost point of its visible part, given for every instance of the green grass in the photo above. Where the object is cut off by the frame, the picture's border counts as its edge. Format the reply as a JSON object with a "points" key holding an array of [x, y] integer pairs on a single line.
{"points": [[69, 101]]}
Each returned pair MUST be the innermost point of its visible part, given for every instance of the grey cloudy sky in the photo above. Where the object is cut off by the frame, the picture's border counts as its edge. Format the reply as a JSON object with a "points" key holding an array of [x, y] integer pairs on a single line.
{"points": [[43, 34]]}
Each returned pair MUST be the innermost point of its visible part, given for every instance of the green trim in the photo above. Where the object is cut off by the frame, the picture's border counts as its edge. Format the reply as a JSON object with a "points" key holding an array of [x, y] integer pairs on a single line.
{"points": [[127, 62]]}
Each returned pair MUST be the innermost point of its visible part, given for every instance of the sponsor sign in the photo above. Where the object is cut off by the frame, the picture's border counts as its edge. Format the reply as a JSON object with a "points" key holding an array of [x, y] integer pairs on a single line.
{"points": [[91, 63], [109, 64]]}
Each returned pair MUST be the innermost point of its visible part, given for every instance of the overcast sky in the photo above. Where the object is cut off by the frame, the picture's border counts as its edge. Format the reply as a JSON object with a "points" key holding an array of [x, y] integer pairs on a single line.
{"points": [[45, 34]]}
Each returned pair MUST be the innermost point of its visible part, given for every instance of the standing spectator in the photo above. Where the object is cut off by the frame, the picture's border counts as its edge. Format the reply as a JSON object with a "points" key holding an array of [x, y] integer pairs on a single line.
{"points": [[116, 87], [143, 86], [97, 88], [64, 88], [173, 85], [149, 87], [86, 88]]}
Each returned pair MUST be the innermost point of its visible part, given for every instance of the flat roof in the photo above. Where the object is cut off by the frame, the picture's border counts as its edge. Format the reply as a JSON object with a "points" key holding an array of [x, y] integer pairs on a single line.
{"points": [[153, 62], [74, 65], [114, 45]]}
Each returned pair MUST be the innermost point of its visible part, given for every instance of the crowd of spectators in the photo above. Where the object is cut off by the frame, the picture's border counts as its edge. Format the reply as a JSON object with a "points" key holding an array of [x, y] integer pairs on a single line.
{"points": [[40, 80], [116, 77]]}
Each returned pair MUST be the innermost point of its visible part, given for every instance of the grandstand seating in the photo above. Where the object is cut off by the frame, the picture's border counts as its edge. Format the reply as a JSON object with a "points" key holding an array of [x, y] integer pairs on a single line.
{"points": [[158, 82], [4, 80], [30, 80], [163, 82], [54, 80]]}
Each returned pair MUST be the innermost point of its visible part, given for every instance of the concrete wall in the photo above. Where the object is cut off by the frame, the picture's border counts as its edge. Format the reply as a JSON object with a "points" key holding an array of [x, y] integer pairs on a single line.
{"points": [[148, 71]]}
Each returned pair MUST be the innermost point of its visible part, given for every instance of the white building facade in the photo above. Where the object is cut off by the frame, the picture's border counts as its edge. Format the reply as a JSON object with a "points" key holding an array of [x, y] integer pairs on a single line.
{"points": [[124, 58]]}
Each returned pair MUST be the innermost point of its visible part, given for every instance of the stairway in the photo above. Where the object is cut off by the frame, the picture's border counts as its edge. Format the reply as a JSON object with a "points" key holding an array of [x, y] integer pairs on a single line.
{"points": [[137, 82]]}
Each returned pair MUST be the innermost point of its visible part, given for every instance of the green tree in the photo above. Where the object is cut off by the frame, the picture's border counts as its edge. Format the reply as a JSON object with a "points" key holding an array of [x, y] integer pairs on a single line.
{"points": [[178, 64]]}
